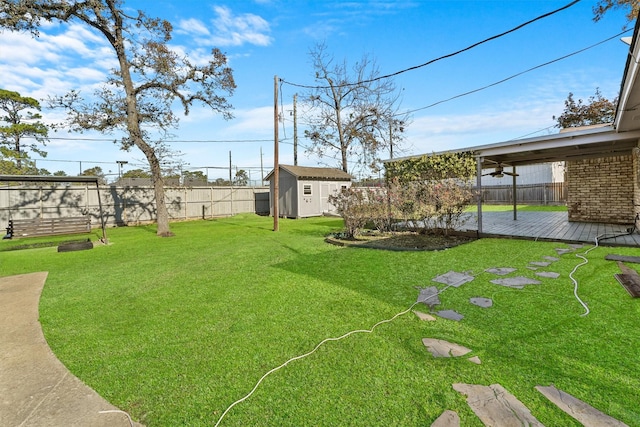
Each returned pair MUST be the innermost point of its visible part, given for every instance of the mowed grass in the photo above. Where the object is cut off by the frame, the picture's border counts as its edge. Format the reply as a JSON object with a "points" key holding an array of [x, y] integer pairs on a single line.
{"points": [[174, 330]]}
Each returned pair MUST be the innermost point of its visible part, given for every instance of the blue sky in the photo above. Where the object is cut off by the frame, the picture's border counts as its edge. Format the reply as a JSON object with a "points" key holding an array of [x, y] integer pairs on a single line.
{"points": [[263, 38]]}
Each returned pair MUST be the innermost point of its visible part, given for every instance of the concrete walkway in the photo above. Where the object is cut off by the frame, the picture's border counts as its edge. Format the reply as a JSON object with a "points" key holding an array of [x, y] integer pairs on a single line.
{"points": [[35, 387]]}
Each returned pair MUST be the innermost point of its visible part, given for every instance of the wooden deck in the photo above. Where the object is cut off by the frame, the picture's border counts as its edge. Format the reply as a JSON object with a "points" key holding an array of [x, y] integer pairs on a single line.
{"points": [[552, 226]]}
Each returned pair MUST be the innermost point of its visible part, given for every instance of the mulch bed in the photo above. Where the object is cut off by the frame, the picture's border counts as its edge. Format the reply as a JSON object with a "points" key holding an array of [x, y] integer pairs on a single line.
{"points": [[403, 241]]}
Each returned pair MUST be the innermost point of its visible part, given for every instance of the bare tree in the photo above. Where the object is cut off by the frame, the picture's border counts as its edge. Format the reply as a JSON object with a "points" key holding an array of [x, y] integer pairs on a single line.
{"points": [[603, 6], [138, 96], [354, 114]]}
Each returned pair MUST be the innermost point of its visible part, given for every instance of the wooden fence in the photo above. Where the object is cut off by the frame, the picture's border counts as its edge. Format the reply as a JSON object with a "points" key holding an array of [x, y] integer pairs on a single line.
{"points": [[127, 205], [531, 194]]}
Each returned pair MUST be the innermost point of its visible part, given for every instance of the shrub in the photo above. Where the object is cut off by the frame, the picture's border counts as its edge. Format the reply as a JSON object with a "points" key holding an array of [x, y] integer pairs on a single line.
{"points": [[351, 204]]}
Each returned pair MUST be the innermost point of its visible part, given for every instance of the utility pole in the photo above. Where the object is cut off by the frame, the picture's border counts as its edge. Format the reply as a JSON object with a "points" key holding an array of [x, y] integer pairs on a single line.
{"points": [[261, 168], [390, 140], [276, 166], [295, 130]]}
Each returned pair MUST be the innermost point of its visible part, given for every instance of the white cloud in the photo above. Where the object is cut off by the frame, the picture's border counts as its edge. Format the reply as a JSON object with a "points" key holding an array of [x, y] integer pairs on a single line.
{"points": [[237, 30], [192, 26], [226, 29]]}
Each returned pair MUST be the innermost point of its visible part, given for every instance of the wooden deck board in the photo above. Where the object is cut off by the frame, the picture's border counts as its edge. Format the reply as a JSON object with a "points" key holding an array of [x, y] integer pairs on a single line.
{"points": [[552, 226]]}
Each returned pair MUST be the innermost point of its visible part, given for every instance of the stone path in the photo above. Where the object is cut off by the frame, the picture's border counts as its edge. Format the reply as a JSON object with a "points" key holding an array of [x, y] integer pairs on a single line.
{"points": [[579, 410], [493, 404]]}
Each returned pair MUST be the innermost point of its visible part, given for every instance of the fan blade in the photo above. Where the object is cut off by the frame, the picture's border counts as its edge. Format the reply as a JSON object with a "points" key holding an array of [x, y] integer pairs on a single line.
{"points": [[510, 173]]}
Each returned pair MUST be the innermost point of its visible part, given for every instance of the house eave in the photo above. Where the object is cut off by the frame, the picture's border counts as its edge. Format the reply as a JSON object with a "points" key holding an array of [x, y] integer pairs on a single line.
{"points": [[571, 145]]}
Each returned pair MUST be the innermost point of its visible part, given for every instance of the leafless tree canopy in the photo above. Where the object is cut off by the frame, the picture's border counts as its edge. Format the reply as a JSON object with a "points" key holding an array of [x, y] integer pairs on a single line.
{"points": [[354, 115]]}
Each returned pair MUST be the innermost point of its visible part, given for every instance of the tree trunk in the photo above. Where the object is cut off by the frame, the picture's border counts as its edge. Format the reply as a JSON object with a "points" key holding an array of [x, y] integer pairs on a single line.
{"points": [[135, 133], [162, 214], [18, 154]]}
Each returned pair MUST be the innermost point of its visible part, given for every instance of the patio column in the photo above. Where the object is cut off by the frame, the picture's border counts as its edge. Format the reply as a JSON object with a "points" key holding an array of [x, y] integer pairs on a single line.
{"points": [[515, 203], [479, 189], [635, 155]]}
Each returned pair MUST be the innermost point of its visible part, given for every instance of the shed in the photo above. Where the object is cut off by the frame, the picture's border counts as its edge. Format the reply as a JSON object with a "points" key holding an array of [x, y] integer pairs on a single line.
{"points": [[304, 191]]}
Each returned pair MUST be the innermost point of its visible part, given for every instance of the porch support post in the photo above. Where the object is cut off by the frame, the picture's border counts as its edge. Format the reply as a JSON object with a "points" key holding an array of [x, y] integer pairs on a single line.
{"points": [[635, 155], [515, 203], [479, 189]]}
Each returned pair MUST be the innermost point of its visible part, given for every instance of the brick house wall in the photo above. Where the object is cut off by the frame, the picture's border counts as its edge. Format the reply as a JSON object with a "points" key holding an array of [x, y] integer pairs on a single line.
{"points": [[602, 189]]}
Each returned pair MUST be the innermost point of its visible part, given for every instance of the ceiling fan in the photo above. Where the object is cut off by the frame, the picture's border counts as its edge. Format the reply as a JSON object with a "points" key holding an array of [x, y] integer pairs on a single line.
{"points": [[499, 172]]}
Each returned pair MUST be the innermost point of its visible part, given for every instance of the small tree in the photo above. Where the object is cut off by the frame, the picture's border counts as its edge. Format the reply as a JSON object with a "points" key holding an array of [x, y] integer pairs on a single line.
{"points": [[20, 119], [95, 171], [352, 205], [241, 179], [192, 177], [221, 182], [136, 173], [597, 110], [449, 199]]}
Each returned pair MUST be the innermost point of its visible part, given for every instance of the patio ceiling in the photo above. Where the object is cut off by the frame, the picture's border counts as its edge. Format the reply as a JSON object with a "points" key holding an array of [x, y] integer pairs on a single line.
{"points": [[576, 145], [602, 141]]}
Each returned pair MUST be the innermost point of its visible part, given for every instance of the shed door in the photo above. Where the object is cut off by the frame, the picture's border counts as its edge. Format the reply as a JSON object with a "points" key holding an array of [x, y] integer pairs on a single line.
{"points": [[328, 188]]}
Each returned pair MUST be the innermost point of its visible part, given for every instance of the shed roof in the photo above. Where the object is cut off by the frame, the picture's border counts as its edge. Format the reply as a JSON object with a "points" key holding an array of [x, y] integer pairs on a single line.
{"points": [[314, 173]]}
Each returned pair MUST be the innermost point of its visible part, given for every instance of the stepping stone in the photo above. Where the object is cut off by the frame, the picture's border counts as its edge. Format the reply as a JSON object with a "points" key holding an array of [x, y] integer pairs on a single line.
{"points": [[630, 283], [540, 263], [424, 316], [475, 359], [481, 302], [551, 258], [495, 406], [442, 348], [454, 279], [548, 274], [450, 314], [632, 259], [516, 282], [562, 251], [584, 413], [447, 419], [532, 268], [576, 245], [429, 296], [501, 271], [629, 279]]}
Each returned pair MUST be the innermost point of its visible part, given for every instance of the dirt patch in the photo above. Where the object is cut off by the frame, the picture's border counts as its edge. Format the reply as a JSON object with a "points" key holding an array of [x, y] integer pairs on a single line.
{"points": [[403, 241]]}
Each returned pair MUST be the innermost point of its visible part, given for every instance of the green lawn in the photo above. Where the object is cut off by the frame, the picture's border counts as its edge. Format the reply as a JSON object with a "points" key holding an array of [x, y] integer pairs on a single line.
{"points": [[174, 330]]}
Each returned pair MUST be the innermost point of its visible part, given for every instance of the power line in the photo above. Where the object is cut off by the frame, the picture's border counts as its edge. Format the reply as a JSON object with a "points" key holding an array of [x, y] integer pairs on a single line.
{"points": [[533, 133], [515, 75], [386, 76], [172, 140]]}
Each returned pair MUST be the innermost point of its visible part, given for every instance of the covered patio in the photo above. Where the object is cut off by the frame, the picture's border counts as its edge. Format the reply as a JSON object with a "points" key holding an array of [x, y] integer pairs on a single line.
{"points": [[602, 172], [551, 226]]}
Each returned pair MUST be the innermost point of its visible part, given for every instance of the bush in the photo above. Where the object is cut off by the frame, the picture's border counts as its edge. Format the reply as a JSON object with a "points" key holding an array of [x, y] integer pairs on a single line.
{"points": [[422, 206], [351, 204]]}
